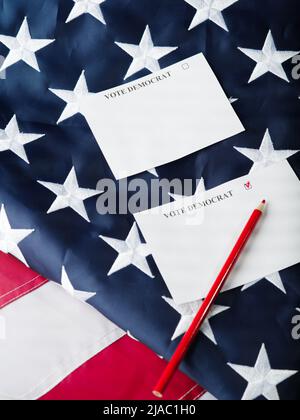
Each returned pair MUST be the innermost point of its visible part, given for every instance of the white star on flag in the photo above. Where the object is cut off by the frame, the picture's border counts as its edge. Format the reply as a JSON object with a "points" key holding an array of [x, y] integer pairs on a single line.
{"points": [[10, 238], [232, 100], [12, 139], [131, 336], [274, 279], [78, 294], [209, 10], [269, 59], [70, 195], [73, 98], [145, 55], [188, 312], [199, 190], [266, 155], [130, 252], [262, 379], [87, 6], [22, 47], [153, 172]]}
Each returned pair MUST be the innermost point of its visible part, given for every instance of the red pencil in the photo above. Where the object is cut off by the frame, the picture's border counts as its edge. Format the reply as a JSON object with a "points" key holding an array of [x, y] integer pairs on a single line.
{"points": [[200, 317]]}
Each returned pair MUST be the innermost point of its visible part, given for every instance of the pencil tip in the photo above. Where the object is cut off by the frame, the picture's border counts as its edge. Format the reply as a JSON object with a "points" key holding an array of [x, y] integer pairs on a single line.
{"points": [[262, 206]]}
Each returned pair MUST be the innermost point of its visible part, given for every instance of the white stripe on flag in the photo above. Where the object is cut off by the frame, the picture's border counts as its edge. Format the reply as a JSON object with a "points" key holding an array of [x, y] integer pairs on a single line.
{"points": [[48, 334]]}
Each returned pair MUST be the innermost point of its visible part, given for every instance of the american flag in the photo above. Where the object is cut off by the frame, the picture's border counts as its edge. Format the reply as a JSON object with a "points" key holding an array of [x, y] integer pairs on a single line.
{"points": [[56, 51], [63, 349]]}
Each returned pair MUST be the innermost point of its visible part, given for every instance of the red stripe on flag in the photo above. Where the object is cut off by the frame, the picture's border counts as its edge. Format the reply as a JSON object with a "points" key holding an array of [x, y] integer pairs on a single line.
{"points": [[126, 370], [16, 280]]}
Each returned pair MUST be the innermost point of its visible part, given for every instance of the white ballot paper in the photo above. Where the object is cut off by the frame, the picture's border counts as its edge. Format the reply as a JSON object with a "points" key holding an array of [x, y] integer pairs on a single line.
{"points": [[190, 239], [161, 117]]}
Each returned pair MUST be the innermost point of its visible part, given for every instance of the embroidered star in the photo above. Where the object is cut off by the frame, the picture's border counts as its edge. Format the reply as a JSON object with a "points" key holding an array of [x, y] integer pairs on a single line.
{"points": [[209, 10], [153, 172], [232, 100], [145, 55], [12, 139], [73, 98], [269, 59], [131, 252], [22, 47], [131, 336], [199, 190], [78, 294], [87, 6], [274, 278], [262, 379], [10, 238], [188, 312], [70, 195], [266, 155]]}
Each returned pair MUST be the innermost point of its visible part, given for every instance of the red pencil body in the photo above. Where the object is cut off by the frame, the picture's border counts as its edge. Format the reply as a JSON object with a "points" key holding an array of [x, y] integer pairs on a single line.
{"points": [[201, 315]]}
